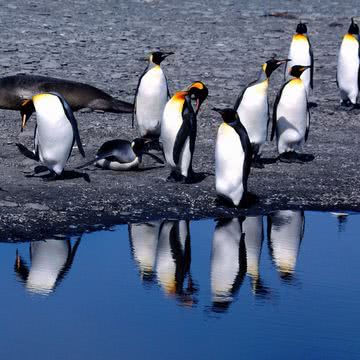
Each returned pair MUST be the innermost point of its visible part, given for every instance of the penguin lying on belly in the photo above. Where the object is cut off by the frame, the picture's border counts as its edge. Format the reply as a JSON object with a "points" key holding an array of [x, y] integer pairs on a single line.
{"points": [[122, 155], [55, 133]]}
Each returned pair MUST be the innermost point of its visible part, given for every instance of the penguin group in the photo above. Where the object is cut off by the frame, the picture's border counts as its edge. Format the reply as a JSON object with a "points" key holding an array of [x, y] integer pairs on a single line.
{"points": [[168, 123]]}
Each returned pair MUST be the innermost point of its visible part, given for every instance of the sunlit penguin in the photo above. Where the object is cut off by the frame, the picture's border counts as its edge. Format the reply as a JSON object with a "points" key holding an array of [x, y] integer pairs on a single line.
{"points": [[121, 155], [151, 96], [252, 227], [51, 260], [252, 106], [228, 262], [285, 232], [348, 68], [173, 261], [178, 131], [301, 53], [291, 116], [233, 156], [56, 132], [144, 240]]}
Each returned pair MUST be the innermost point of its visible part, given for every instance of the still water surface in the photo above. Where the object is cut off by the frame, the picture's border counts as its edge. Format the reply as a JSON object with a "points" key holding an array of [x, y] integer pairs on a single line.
{"points": [[284, 286]]}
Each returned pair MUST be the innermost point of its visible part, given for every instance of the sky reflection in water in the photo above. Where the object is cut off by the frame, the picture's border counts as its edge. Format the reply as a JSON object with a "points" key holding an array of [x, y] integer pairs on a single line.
{"points": [[283, 285]]}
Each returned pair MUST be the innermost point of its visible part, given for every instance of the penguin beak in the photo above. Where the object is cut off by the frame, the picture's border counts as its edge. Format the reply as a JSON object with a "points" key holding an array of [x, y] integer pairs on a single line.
{"points": [[284, 61], [166, 54], [305, 67], [26, 110]]}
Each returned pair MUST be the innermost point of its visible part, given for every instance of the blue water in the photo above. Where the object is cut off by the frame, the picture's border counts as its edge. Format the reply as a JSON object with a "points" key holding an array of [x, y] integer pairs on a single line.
{"points": [[285, 286]]}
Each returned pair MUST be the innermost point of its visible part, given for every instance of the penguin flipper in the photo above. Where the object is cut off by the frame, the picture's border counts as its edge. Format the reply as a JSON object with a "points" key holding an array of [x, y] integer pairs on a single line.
{"points": [[240, 97], [276, 103], [70, 115], [308, 117], [312, 65]]}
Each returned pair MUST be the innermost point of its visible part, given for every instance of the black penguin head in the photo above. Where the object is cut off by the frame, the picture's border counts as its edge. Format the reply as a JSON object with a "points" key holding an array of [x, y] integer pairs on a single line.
{"points": [[198, 91], [297, 70], [354, 28], [141, 146], [229, 115], [301, 28], [271, 65], [158, 56], [138, 146]]}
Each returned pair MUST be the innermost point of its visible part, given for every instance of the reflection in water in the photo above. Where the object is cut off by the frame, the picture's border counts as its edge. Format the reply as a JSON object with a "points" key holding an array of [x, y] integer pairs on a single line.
{"points": [[285, 232], [228, 262], [50, 262]]}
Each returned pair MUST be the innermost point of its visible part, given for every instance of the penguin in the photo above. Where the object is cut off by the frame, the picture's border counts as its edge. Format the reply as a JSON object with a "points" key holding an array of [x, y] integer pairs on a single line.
{"points": [[285, 233], [151, 96], [301, 53], [252, 106], [291, 116], [56, 132], [348, 67], [233, 154], [17, 90], [144, 241], [178, 131], [173, 261], [228, 263], [120, 155], [51, 260]]}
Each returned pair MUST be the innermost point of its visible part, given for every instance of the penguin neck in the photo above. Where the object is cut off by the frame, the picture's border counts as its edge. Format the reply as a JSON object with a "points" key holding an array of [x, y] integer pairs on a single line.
{"points": [[300, 37], [152, 65], [262, 76]]}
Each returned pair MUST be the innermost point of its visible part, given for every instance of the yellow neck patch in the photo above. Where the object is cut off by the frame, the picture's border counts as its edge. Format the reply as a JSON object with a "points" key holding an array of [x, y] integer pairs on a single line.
{"points": [[262, 87], [300, 37], [350, 37], [295, 82]]}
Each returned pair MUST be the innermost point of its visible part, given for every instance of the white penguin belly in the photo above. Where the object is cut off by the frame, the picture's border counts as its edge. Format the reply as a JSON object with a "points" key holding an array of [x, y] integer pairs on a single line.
{"points": [[229, 163], [347, 70], [253, 113], [150, 102], [117, 166], [171, 123], [55, 139], [291, 116]]}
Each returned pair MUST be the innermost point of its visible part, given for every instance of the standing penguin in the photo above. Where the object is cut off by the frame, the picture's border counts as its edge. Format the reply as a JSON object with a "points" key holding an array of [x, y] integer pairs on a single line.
{"points": [[252, 106], [301, 53], [56, 131], [151, 96], [233, 155], [178, 131], [291, 116], [348, 69]]}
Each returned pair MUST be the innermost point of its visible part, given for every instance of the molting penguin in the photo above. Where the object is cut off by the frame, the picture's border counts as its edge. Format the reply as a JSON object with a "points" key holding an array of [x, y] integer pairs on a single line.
{"points": [[178, 131], [291, 116], [233, 156], [228, 263], [348, 69], [285, 232], [121, 154], [51, 260], [151, 96], [252, 106], [301, 53], [56, 131]]}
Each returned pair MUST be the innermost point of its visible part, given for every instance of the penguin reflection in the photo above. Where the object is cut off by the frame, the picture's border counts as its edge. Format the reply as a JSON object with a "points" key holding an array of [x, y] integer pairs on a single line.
{"points": [[144, 240], [173, 261], [228, 262], [50, 262], [285, 232], [252, 227]]}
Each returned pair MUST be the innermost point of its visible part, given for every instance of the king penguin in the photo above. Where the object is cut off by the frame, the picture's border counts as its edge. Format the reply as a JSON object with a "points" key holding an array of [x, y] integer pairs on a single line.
{"points": [[348, 69], [291, 116], [151, 96], [233, 156], [301, 53], [178, 131], [121, 155], [252, 106], [56, 131]]}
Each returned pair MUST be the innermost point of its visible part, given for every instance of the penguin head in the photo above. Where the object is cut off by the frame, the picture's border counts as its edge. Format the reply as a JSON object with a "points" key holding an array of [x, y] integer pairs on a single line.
{"points": [[158, 56], [354, 28], [142, 146], [198, 91], [229, 115], [271, 65], [297, 70], [301, 28]]}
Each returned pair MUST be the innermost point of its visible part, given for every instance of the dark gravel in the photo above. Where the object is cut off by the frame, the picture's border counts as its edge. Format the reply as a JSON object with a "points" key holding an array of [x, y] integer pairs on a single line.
{"points": [[221, 43]]}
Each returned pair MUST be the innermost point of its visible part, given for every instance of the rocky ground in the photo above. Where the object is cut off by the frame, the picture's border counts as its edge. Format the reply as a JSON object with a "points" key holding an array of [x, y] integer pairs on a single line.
{"points": [[221, 43]]}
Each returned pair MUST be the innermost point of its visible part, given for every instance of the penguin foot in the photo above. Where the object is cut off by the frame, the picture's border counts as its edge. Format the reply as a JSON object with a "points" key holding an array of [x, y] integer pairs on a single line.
{"points": [[224, 201], [288, 157], [248, 200], [175, 177], [194, 178], [52, 176], [346, 103]]}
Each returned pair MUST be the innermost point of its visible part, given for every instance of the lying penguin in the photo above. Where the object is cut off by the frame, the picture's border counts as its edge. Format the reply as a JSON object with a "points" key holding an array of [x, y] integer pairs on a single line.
{"points": [[122, 155]]}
